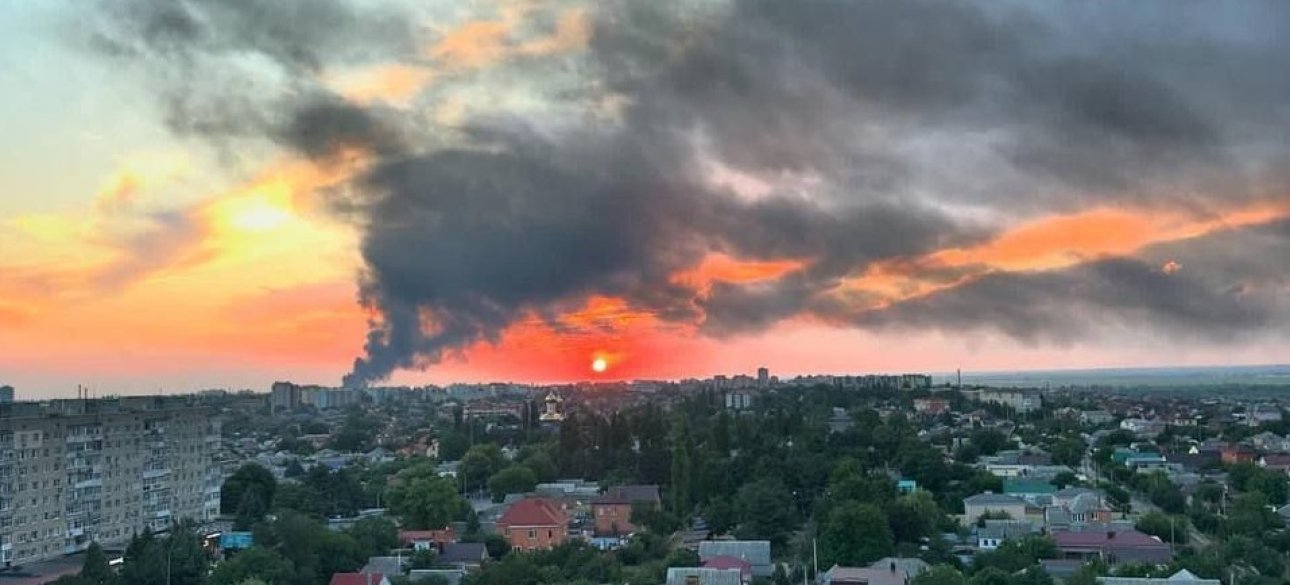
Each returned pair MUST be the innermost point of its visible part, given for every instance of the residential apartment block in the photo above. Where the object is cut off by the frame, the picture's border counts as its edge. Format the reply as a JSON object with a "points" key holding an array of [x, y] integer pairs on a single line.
{"points": [[77, 471]]}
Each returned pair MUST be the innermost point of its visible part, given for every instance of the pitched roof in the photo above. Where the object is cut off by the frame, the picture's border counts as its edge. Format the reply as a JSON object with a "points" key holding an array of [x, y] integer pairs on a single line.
{"points": [[463, 552], [866, 575], [1027, 486], [627, 494], [534, 512], [1106, 539], [706, 576], [357, 579], [756, 552], [725, 562], [995, 499], [911, 566]]}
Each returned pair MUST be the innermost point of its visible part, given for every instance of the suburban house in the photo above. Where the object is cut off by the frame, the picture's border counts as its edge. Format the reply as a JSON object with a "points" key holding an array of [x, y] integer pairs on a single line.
{"points": [[731, 564], [1276, 462], [426, 539], [1037, 492], [534, 524], [613, 509], [1128, 546], [931, 406], [754, 552], [979, 505], [889, 575], [466, 556], [1077, 506], [997, 532], [911, 566], [1183, 577], [359, 579], [1238, 453], [702, 576]]}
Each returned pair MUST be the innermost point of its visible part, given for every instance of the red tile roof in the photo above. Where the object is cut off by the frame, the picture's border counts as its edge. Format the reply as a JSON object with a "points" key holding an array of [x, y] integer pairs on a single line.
{"points": [[1099, 539], [441, 536], [729, 562], [534, 512], [356, 579]]}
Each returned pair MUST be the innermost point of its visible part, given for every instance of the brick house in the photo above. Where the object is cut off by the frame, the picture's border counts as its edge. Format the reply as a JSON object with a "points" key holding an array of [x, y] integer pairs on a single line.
{"points": [[613, 509], [534, 524]]}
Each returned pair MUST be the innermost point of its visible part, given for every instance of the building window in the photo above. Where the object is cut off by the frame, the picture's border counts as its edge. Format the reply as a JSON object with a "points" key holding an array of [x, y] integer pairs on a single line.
{"points": [[532, 534]]}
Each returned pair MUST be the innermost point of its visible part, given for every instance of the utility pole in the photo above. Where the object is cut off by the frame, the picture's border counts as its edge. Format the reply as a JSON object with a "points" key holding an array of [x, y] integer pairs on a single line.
{"points": [[815, 558]]}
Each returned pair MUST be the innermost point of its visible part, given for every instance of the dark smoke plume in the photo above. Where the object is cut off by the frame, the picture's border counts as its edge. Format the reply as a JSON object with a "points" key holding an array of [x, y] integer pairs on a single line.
{"points": [[880, 131]]}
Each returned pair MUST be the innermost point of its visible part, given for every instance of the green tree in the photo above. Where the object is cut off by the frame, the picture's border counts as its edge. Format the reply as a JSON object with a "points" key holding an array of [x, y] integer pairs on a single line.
{"points": [[250, 510], [480, 463], [95, 569], [765, 510], [1170, 529], [250, 477], [939, 575], [375, 536], [681, 476], [254, 563], [855, 534], [425, 500], [515, 479], [1069, 452]]}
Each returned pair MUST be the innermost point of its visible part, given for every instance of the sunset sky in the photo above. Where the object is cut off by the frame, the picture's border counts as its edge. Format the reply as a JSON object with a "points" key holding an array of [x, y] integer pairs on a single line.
{"points": [[213, 194]]}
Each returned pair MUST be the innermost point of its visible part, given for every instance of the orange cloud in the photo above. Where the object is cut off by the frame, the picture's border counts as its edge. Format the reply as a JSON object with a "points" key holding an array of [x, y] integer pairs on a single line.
{"points": [[1050, 243], [394, 82], [482, 43], [723, 268]]}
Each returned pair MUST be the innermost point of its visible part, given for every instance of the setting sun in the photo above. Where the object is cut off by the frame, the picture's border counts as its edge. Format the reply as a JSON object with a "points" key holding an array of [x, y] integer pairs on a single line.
{"points": [[599, 365]]}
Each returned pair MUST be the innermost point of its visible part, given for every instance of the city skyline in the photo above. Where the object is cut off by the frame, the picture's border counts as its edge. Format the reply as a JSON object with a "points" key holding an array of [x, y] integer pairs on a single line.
{"points": [[197, 196]]}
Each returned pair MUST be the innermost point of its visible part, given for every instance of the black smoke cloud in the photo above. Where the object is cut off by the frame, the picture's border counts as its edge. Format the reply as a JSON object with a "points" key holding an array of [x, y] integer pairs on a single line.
{"points": [[877, 128]]}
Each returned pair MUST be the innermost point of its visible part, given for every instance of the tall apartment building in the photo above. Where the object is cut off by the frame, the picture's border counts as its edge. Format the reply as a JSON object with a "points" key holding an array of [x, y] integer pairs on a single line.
{"points": [[77, 471]]}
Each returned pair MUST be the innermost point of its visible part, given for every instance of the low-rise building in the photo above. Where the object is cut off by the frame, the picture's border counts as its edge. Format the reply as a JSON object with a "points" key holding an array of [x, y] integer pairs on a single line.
{"points": [[1183, 577], [1113, 547], [613, 509], [535, 523], [755, 552], [975, 507]]}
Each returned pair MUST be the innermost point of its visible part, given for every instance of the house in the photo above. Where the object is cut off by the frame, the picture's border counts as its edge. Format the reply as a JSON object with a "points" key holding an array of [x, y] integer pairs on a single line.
{"points": [[731, 563], [1276, 462], [1035, 491], [613, 509], [463, 555], [1284, 513], [1077, 506], [755, 552], [359, 579], [1238, 453], [1096, 417], [931, 406], [1263, 413], [1183, 577], [906, 486], [979, 505], [996, 532], [1113, 547], [890, 575], [384, 565], [1270, 442], [840, 421], [534, 523], [702, 576], [427, 539], [911, 566]]}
